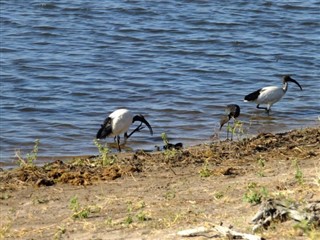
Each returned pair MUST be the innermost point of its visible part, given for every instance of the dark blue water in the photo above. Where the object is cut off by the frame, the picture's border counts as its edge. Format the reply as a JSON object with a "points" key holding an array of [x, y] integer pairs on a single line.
{"points": [[65, 66]]}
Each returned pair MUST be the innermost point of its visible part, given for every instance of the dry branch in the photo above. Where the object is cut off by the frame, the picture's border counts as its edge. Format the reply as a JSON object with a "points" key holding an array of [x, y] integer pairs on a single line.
{"points": [[223, 231]]}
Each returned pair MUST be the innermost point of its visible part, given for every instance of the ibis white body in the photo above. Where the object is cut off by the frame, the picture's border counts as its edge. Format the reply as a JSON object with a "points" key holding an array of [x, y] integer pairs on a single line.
{"points": [[270, 95], [121, 121]]}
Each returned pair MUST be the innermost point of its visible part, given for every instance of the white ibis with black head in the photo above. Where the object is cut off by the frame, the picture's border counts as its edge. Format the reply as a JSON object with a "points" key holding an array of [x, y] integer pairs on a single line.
{"points": [[118, 122], [232, 112], [270, 95]]}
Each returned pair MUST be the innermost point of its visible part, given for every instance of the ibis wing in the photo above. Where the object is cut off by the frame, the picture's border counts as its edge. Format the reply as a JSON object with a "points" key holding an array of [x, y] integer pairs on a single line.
{"points": [[106, 129], [253, 96]]}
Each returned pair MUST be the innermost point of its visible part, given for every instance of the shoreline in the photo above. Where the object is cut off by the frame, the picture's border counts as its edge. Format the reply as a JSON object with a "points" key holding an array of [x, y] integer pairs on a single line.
{"points": [[155, 195], [42, 160]]}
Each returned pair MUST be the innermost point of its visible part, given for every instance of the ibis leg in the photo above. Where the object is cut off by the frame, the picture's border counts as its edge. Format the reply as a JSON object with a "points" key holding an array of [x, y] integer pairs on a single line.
{"points": [[232, 129], [228, 131], [118, 142], [268, 109], [258, 106]]}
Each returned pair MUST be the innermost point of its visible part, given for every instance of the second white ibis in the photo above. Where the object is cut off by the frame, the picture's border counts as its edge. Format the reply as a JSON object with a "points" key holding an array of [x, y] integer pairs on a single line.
{"points": [[270, 95]]}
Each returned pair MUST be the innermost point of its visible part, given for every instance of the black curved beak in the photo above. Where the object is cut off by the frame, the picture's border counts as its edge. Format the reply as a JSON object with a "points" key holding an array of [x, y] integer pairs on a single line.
{"points": [[294, 81], [143, 120], [223, 121]]}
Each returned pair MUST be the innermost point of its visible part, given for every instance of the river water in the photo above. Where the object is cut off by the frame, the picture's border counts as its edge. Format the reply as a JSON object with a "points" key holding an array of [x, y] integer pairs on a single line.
{"points": [[65, 65]]}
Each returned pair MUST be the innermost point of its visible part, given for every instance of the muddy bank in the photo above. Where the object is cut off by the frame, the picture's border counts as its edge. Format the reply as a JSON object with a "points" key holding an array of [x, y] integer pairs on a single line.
{"points": [[153, 195]]}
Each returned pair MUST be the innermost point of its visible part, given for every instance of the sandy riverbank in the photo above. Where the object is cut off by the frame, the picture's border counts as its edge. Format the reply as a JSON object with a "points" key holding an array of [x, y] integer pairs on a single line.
{"points": [[154, 195]]}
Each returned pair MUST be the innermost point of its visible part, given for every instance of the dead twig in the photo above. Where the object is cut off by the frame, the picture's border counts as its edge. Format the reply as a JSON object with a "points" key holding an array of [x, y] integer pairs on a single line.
{"points": [[223, 231]]}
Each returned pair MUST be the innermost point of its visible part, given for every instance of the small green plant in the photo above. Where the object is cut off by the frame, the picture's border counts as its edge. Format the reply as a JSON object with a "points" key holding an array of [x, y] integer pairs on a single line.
{"points": [[78, 212], [104, 153], [303, 225], [74, 204], [205, 171], [135, 212], [30, 157], [236, 129], [169, 152], [141, 216], [165, 139], [129, 218], [310, 229], [298, 174], [254, 195], [218, 195], [261, 164]]}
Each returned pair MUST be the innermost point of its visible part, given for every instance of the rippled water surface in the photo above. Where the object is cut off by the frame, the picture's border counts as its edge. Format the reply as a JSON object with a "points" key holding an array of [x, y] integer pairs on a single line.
{"points": [[66, 65]]}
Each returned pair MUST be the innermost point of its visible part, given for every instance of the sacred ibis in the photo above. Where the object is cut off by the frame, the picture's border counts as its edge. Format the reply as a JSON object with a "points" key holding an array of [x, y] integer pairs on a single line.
{"points": [[270, 95], [118, 122], [232, 112]]}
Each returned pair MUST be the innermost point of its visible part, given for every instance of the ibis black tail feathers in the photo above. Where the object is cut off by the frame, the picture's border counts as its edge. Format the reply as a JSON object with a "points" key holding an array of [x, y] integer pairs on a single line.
{"points": [[105, 130], [252, 96]]}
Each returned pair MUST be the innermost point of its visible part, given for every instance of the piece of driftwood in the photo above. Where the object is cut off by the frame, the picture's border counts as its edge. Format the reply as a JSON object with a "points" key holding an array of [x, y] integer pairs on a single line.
{"points": [[231, 234], [193, 232], [223, 231], [275, 210]]}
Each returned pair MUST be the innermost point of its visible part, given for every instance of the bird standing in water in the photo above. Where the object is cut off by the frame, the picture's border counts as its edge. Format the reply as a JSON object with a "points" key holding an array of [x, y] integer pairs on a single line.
{"points": [[118, 122], [270, 95], [232, 112]]}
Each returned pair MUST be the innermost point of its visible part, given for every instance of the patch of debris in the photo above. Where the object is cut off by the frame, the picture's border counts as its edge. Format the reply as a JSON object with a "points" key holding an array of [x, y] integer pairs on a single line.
{"points": [[278, 211], [58, 171], [228, 158]]}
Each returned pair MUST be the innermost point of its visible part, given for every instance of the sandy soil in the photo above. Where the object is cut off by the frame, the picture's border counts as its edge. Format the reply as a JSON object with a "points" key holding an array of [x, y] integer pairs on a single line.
{"points": [[155, 195]]}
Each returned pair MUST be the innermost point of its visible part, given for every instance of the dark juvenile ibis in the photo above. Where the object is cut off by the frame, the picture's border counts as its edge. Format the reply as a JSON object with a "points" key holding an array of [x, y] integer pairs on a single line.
{"points": [[270, 95], [118, 122], [232, 111]]}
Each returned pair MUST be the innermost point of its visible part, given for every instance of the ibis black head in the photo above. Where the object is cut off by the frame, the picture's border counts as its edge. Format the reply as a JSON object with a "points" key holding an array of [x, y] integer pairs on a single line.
{"points": [[233, 110], [287, 78], [224, 120], [141, 118]]}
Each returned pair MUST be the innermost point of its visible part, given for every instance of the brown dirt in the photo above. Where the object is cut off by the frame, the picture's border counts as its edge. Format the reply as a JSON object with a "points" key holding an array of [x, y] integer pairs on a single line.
{"points": [[154, 195]]}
